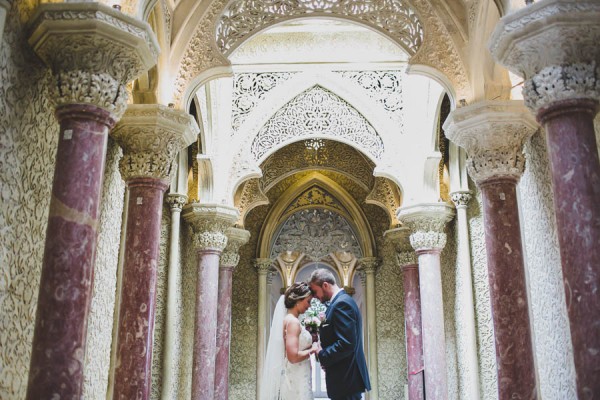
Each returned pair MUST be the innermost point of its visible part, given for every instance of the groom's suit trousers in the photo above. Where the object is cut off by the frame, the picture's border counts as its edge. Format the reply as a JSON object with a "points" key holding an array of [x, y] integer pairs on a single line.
{"points": [[355, 396]]}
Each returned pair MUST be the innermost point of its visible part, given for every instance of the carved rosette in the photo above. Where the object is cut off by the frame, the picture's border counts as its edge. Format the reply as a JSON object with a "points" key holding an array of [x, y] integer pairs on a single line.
{"points": [[568, 68], [151, 135], [369, 264], [176, 201], [236, 238], [493, 134], [263, 265], [461, 198], [427, 223], [210, 223], [93, 51]]}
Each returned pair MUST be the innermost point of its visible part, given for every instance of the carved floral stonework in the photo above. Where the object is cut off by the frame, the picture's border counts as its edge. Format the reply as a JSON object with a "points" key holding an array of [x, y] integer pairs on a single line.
{"points": [[461, 198], [340, 157], [406, 258], [315, 196], [209, 223], [77, 41], [176, 201], [493, 133], [243, 18], [386, 194], [567, 68], [369, 264], [316, 232], [151, 135], [249, 89], [317, 112], [236, 238], [427, 223], [251, 196]]}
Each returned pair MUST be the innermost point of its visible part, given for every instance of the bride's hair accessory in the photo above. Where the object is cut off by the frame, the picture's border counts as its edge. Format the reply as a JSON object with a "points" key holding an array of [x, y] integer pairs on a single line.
{"points": [[295, 293]]}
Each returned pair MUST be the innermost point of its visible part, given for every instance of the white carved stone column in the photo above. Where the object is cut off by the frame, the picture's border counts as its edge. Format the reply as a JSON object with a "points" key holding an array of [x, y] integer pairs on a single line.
{"points": [[427, 224], [172, 346], [369, 266], [230, 258], [262, 266], [209, 222], [554, 45], [93, 51], [466, 337], [493, 133]]}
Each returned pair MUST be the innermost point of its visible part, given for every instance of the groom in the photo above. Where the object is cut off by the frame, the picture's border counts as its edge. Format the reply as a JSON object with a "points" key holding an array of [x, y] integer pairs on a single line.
{"points": [[341, 354]]}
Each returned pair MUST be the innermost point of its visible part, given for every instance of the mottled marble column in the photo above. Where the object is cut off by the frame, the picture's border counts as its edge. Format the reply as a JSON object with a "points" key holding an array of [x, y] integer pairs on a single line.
{"points": [[209, 222], [89, 95], [427, 224], [172, 348], [562, 89], [369, 266], [230, 258], [262, 266], [407, 260], [493, 134], [151, 136], [466, 337]]}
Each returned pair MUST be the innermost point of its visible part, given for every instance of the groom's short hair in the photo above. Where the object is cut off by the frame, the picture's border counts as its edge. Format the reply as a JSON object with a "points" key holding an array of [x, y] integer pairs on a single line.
{"points": [[321, 275]]}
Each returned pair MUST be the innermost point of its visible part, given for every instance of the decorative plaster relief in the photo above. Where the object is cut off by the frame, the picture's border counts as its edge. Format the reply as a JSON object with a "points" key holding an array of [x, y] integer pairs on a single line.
{"points": [[452, 315], [317, 112], [209, 221], [249, 89], [28, 141], [100, 319], [316, 232], [251, 196], [315, 196], [386, 194], [427, 223], [550, 320], [243, 18]]}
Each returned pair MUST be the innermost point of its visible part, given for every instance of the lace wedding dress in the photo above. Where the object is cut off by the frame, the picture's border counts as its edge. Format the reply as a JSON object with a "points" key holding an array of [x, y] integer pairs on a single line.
{"points": [[281, 379], [297, 378]]}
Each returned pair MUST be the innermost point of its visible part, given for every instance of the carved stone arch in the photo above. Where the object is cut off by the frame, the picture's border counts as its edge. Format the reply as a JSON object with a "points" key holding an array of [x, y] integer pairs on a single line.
{"points": [[388, 196], [395, 19], [293, 87], [280, 211]]}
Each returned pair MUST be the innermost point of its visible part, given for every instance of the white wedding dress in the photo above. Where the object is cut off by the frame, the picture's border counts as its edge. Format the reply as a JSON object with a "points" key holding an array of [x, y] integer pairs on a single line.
{"points": [[297, 378], [281, 379]]}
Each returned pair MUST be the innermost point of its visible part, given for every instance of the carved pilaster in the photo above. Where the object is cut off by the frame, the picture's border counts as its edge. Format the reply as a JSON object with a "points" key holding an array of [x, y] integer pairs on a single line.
{"points": [[493, 134], [176, 201], [427, 223], [93, 51], [236, 238], [151, 135], [461, 198], [553, 44], [209, 222]]}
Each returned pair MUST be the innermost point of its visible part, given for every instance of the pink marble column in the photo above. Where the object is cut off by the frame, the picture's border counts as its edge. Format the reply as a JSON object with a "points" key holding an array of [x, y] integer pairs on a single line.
{"points": [[229, 260], [493, 134], [562, 88], [209, 221], [85, 115], [412, 326], [427, 224], [151, 136]]}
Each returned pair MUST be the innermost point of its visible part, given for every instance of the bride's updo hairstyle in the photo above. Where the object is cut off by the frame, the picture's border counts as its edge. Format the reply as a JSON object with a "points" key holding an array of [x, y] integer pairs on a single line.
{"points": [[296, 292]]}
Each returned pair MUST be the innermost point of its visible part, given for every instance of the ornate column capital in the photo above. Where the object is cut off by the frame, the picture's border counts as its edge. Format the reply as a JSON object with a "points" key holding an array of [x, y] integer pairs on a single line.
{"points": [[405, 258], [176, 201], [263, 265], [461, 198], [93, 51], [427, 223], [209, 222], [151, 135], [493, 134], [400, 239], [553, 44], [236, 238], [369, 264]]}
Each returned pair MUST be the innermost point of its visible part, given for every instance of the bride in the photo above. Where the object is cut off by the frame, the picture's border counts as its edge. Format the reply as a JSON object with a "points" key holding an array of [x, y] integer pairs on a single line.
{"points": [[287, 371]]}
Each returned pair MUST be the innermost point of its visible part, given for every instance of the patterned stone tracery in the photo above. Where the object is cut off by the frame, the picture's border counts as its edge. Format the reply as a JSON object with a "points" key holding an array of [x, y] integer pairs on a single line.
{"points": [[317, 112], [243, 18]]}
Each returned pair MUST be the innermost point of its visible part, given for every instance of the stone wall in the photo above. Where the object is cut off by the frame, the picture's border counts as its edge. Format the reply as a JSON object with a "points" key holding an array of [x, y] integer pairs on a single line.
{"points": [[448, 265], [28, 140]]}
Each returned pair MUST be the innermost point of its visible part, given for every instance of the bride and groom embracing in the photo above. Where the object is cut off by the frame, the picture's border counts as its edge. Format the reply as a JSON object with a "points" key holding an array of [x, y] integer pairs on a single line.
{"points": [[287, 370]]}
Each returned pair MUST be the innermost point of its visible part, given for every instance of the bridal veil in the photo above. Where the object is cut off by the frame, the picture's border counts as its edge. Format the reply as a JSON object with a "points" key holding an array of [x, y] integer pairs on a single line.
{"points": [[274, 360]]}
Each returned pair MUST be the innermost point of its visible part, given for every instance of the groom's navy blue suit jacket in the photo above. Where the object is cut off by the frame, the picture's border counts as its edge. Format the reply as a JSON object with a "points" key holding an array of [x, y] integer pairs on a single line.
{"points": [[342, 356]]}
